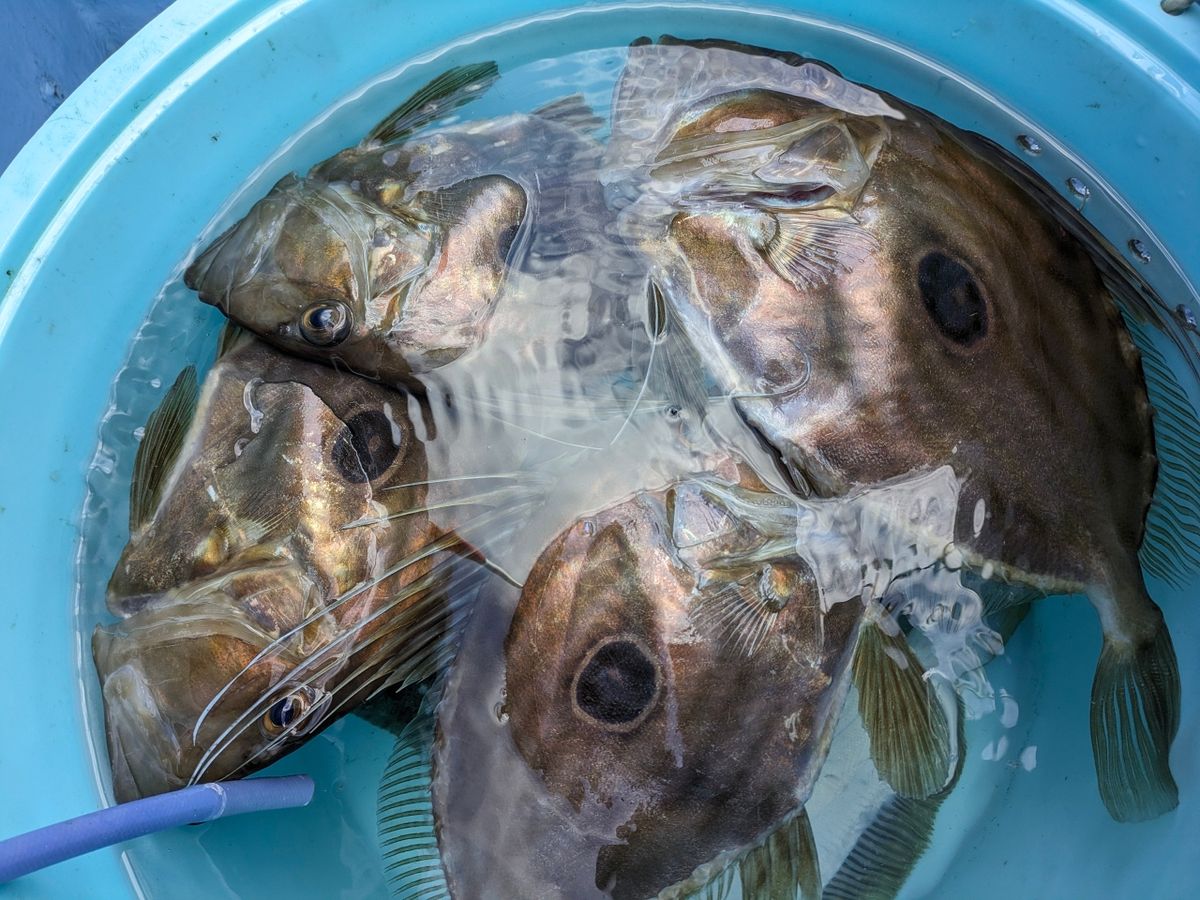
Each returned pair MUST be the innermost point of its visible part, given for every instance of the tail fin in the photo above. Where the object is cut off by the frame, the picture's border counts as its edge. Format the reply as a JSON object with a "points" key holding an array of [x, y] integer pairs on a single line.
{"points": [[1135, 716]]}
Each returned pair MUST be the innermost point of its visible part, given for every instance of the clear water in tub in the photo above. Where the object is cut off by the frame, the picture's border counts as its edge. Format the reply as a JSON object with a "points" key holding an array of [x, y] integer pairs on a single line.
{"points": [[1029, 727]]}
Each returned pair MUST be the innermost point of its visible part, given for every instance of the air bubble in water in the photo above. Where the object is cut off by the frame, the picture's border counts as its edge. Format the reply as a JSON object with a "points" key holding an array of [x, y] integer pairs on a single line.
{"points": [[1138, 249], [1187, 316], [1078, 188], [156, 383], [1029, 144], [139, 433]]}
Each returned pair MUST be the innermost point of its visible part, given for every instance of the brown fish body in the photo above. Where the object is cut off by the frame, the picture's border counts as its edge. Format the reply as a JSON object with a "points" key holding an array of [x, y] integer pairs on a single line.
{"points": [[929, 312], [282, 570], [674, 671]]}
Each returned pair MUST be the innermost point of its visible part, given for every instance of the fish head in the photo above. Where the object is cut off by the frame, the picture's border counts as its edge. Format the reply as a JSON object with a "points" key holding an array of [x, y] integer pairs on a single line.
{"points": [[279, 458], [367, 273], [196, 683], [676, 699], [256, 591]]}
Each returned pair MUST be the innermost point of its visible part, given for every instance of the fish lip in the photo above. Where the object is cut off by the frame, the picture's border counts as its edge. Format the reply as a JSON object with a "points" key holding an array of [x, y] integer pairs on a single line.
{"points": [[144, 753]]}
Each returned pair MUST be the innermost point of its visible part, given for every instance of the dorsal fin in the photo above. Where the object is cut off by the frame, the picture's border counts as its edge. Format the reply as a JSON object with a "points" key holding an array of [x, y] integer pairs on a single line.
{"points": [[572, 112], [438, 98], [1171, 546], [160, 446]]}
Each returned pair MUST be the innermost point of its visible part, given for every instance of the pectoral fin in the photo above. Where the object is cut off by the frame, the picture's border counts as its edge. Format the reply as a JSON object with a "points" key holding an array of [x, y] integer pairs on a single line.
{"points": [[785, 861], [904, 718], [810, 246]]}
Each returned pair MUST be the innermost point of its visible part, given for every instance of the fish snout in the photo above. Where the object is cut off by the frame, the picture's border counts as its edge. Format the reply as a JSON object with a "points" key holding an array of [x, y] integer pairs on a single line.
{"points": [[143, 749], [237, 253]]}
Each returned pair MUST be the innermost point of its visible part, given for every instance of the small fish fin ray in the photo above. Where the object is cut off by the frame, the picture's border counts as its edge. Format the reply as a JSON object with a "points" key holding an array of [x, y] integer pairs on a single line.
{"points": [[441, 96], [161, 445], [902, 713], [682, 368], [809, 247], [783, 866], [412, 863], [572, 111], [719, 887], [885, 854], [1171, 545], [1135, 716]]}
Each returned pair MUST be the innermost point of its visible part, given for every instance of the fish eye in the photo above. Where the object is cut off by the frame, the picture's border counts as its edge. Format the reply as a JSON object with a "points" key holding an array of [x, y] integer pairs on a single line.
{"points": [[325, 323], [282, 714], [617, 684], [367, 446], [952, 298]]}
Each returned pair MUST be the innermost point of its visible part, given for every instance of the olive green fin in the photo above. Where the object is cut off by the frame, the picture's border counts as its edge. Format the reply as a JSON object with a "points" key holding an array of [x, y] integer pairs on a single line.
{"points": [[719, 887], [901, 711], [441, 96], [809, 247], [885, 854], [160, 446], [412, 863], [785, 861], [1135, 716], [571, 112], [1171, 546]]}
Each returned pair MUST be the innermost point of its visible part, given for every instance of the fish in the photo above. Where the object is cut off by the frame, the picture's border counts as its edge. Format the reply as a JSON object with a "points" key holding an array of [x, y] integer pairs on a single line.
{"points": [[654, 708], [389, 259], [282, 568], [878, 294]]}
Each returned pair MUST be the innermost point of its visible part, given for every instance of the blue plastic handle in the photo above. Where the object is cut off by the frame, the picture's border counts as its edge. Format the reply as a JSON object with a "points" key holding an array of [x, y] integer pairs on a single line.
{"points": [[35, 850]]}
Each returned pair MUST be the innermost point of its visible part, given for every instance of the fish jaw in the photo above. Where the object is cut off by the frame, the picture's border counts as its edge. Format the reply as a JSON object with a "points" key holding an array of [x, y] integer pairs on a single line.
{"points": [[188, 672], [142, 748]]}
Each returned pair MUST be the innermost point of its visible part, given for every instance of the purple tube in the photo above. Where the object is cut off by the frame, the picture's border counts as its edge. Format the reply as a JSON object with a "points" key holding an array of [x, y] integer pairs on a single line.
{"points": [[34, 850]]}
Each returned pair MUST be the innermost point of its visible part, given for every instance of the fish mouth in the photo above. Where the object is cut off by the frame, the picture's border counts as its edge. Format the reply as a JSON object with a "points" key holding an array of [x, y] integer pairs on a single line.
{"points": [[150, 742], [143, 749]]}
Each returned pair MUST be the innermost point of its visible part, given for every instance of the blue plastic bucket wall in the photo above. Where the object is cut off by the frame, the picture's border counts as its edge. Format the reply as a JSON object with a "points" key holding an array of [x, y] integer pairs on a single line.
{"points": [[109, 198]]}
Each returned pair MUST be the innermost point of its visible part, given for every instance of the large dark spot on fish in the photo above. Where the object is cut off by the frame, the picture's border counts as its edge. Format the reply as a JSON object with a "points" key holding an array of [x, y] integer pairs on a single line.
{"points": [[365, 449], [617, 684], [952, 297]]}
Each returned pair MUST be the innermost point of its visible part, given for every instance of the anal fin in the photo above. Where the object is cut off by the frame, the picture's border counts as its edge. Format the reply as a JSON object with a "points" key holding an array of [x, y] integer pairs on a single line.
{"points": [[407, 836]]}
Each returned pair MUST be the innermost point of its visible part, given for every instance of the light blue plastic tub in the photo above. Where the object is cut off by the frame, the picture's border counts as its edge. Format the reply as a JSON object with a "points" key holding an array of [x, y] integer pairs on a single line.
{"points": [[112, 194]]}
